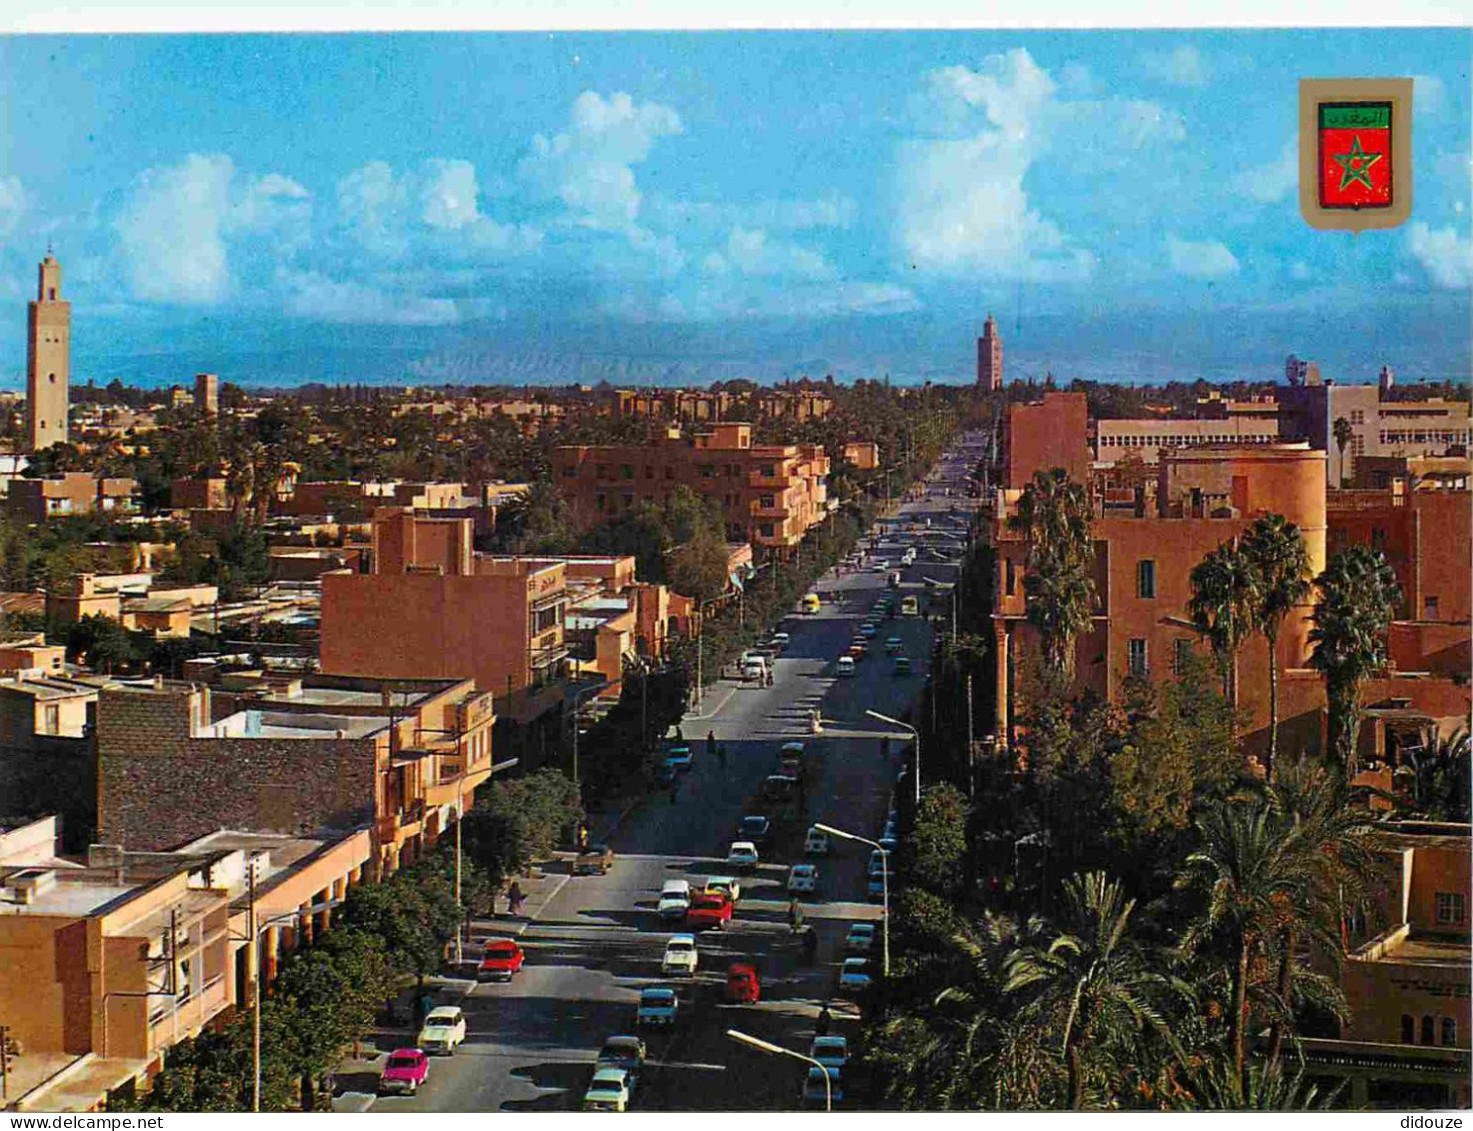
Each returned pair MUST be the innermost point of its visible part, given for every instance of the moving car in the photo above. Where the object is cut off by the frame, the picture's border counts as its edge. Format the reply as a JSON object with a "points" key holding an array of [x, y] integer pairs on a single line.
{"points": [[820, 1091], [810, 603], [657, 1006], [681, 956], [444, 1028], [869, 630], [622, 1051], [860, 939], [595, 860], [854, 977], [894, 644], [902, 665], [857, 650], [755, 828], [608, 1091], [709, 910], [777, 787], [845, 667], [803, 879], [831, 1052], [500, 960], [792, 750], [405, 1071], [674, 899], [742, 855], [678, 757], [781, 640], [816, 843], [729, 886], [742, 984]]}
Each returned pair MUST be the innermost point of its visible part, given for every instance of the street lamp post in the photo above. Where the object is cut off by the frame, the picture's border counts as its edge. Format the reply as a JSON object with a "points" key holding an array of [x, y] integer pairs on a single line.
{"points": [[885, 886], [778, 1050], [915, 734], [577, 695]]}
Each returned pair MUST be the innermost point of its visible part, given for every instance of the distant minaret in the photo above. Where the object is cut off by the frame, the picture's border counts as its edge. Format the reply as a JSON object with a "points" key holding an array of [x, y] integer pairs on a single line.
{"points": [[989, 357], [48, 360], [206, 394], [1387, 380]]}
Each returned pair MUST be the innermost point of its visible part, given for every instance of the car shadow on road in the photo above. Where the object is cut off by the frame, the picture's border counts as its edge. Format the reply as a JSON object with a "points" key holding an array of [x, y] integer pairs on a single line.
{"points": [[565, 1080]]}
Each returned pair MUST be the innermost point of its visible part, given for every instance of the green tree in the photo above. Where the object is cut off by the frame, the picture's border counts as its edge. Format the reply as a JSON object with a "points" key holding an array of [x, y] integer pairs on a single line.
{"points": [[1091, 982], [1053, 515], [936, 850], [1224, 597], [1358, 595], [1441, 787], [1276, 552], [102, 642]]}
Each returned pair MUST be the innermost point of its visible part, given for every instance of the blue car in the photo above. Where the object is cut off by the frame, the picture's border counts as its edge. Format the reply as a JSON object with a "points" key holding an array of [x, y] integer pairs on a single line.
{"points": [[817, 1092], [678, 757], [657, 1006]]}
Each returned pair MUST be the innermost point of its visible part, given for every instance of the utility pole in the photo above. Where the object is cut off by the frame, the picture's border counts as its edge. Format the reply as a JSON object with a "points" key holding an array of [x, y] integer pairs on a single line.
{"points": [[255, 989], [971, 769], [460, 925]]}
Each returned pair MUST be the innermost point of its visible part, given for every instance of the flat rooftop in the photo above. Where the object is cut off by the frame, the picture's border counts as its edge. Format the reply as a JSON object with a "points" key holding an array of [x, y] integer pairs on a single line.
{"points": [[1430, 950], [275, 724], [341, 697]]}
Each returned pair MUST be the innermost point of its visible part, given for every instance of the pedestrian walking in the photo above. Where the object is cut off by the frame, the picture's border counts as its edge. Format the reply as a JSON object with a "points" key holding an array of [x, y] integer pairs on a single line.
{"points": [[821, 1026], [710, 742], [769, 677], [514, 898], [795, 915]]}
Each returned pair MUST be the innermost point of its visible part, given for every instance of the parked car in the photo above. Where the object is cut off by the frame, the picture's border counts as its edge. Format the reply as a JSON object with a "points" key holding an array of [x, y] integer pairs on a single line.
{"points": [[657, 1006], [875, 889], [816, 843], [868, 630], [889, 843], [743, 986], [845, 667], [674, 899], [803, 879], [857, 650], [405, 1071], [780, 640], [595, 860], [879, 862], [792, 751], [777, 787], [709, 910], [894, 645], [443, 1029], [623, 1051], [742, 855], [609, 1090], [753, 670], [729, 886], [501, 959], [818, 1090], [681, 955], [854, 977], [678, 757], [831, 1052], [861, 938], [755, 828], [902, 665]]}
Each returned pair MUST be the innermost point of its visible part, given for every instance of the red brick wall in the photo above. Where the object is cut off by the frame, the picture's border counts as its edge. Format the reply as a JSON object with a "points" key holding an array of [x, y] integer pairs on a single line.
{"points": [[1053, 433]]}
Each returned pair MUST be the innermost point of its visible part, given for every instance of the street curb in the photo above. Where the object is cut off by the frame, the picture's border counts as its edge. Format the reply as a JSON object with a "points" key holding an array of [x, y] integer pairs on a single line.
{"points": [[713, 714]]}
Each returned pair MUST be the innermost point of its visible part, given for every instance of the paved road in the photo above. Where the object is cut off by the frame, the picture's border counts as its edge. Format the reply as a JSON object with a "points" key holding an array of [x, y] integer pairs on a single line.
{"points": [[598, 941]]}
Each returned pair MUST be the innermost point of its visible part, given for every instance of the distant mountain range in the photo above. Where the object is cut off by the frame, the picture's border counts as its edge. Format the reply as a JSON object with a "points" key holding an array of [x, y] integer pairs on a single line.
{"points": [[1428, 341]]}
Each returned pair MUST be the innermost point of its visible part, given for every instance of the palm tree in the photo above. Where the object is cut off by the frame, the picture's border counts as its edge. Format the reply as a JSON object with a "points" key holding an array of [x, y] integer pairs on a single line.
{"points": [[1224, 598], [1358, 595], [1053, 515], [1251, 875], [1093, 975], [1343, 435], [1441, 785], [1276, 551]]}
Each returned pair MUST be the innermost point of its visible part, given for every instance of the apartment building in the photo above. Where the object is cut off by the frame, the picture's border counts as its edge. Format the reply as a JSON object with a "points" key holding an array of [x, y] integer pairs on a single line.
{"points": [[46, 754], [325, 756], [863, 455], [67, 493], [769, 494], [434, 607], [1045, 434], [612, 617], [204, 493], [1425, 536], [1115, 439]]}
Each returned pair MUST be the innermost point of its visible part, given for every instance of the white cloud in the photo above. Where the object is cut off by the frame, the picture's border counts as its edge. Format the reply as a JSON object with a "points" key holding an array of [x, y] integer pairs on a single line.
{"points": [[1182, 66], [449, 194], [1274, 181], [1206, 259], [374, 203], [728, 299], [315, 296], [963, 205], [1075, 78], [1429, 95], [833, 211], [750, 252], [12, 204], [175, 226], [589, 166], [1446, 255]]}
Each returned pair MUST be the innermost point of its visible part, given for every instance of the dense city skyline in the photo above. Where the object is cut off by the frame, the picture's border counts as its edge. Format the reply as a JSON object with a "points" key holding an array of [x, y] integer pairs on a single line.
{"points": [[689, 206]]}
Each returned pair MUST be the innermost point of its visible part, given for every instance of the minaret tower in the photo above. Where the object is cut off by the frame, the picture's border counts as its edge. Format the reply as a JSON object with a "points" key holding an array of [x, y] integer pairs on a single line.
{"points": [[989, 357], [48, 359]]}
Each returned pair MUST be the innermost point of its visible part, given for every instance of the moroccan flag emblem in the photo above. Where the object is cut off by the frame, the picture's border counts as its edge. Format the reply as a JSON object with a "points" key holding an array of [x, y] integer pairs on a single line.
{"points": [[1355, 155]]}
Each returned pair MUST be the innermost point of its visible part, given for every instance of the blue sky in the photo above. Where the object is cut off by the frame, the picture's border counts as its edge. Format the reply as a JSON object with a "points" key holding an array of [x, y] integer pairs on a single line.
{"points": [[844, 198]]}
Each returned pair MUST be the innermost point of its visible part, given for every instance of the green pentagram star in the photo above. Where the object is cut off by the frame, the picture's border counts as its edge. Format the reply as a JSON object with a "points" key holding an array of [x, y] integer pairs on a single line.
{"points": [[1355, 166]]}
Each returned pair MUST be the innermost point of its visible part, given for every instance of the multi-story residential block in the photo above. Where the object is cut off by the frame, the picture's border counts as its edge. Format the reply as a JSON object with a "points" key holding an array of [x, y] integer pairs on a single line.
{"points": [[434, 608], [612, 617], [1113, 439], [769, 494], [70, 492], [864, 455], [1049, 433]]}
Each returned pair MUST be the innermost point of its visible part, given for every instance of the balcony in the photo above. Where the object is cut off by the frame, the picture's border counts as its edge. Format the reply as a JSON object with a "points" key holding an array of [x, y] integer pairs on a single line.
{"points": [[776, 481], [775, 511]]}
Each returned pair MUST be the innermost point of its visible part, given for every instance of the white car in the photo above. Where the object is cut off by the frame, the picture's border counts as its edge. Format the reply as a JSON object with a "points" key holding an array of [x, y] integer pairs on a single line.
{"points": [[816, 843], [608, 1091], [444, 1028], [674, 899], [860, 940], [742, 854], [803, 879], [681, 955], [845, 667]]}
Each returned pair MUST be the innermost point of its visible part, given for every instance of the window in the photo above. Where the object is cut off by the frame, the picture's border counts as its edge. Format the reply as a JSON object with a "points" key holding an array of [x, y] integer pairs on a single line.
{"points": [[603, 471], [626, 471], [706, 470], [769, 470], [1408, 1029], [1450, 908], [1431, 608], [1378, 538], [669, 472], [1181, 654], [1135, 653], [1449, 1032], [570, 472], [1145, 579], [649, 472], [53, 718], [599, 502], [765, 530], [766, 502], [1426, 1030]]}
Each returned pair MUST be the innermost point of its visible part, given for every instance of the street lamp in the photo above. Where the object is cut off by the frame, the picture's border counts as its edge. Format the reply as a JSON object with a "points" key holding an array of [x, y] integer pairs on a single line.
{"points": [[576, 696], [885, 882], [768, 1047], [914, 734]]}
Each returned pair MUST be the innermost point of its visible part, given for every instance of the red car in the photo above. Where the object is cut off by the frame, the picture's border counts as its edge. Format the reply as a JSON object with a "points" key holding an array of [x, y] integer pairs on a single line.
{"points": [[500, 960], [406, 1070], [708, 909], [742, 984]]}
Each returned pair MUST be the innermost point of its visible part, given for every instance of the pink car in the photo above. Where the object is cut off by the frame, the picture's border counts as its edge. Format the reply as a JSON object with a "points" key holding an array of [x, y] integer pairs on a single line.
{"points": [[405, 1072]]}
